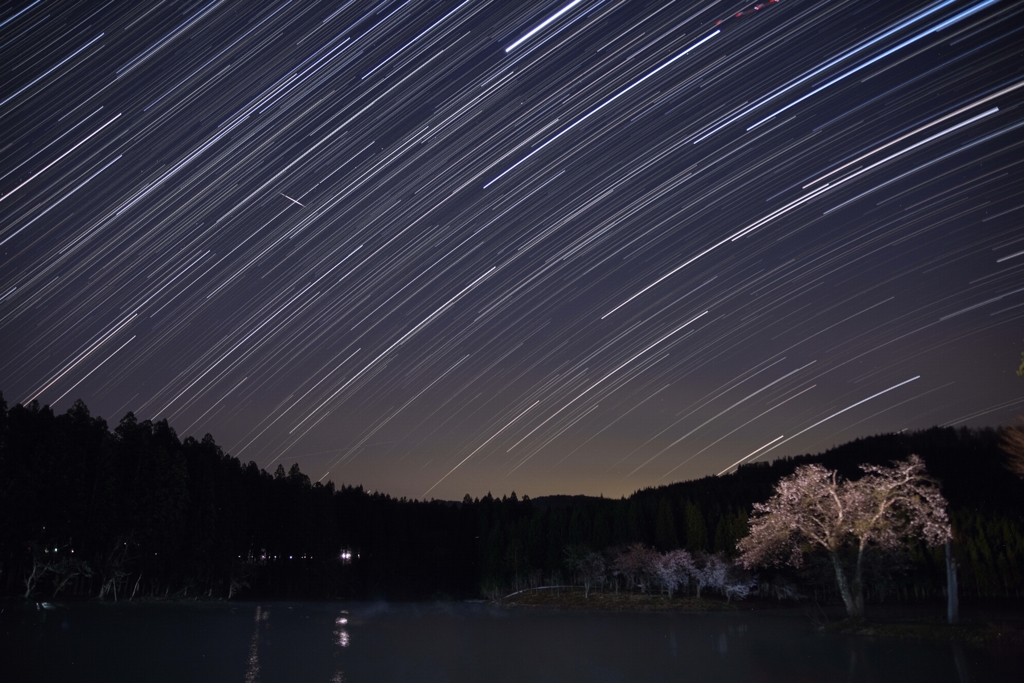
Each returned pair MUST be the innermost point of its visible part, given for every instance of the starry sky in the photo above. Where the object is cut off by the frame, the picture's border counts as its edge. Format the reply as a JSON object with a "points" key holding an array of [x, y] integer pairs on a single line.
{"points": [[580, 246]]}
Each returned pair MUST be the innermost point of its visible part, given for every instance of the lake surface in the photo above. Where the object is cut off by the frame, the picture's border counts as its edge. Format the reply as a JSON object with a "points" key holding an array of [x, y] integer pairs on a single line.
{"points": [[334, 642]]}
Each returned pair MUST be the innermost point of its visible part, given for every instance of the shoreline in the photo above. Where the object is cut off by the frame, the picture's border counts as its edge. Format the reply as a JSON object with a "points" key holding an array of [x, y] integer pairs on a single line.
{"points": [[895, 622], [573, 598]]}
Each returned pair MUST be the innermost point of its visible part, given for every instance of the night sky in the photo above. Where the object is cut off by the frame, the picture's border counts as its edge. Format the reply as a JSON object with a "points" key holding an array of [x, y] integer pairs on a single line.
{"points": [[438, 248]]}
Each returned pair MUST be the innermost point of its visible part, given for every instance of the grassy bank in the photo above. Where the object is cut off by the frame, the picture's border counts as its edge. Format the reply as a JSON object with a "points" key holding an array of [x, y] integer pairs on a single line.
{"points": [[574, 598]]}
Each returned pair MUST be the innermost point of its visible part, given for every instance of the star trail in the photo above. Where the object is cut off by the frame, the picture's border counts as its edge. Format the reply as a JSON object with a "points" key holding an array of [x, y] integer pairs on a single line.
{"points": [[582, 246]]}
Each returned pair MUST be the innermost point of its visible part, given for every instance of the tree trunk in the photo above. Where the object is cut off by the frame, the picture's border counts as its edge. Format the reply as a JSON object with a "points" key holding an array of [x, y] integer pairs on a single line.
{"points": [[30, 580], [60, 583], [844, 590], [136, 590], [858, 584], [952, 595]]}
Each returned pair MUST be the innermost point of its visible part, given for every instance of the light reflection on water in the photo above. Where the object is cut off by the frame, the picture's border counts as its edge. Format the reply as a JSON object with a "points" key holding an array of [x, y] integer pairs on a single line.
{"points": [[252, 674], [341, 636], [461, 642]]}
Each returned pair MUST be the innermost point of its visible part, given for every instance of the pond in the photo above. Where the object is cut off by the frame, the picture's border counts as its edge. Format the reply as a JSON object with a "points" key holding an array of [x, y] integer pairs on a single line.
{"points": [[281, 641]]}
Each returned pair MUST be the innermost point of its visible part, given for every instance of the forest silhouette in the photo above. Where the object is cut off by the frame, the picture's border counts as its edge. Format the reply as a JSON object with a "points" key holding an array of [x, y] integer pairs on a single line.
{"points": [[136, 512]]}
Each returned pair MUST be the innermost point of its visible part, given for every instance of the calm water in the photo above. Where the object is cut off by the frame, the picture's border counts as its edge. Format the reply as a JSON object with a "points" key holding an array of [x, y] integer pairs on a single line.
{"points": [[461, 642]]}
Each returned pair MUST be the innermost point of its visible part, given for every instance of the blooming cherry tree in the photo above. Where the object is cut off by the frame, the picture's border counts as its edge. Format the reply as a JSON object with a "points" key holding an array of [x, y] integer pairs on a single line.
{"points": [[709, 571], [815, 508], [673, 570], [637, 565]]}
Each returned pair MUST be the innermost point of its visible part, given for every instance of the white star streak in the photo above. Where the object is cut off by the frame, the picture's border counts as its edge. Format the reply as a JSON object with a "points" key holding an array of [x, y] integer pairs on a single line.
{"points": [[52, 163], [605, 104], [723, 412], [82, 356], [728, 434], [98, 365], [448, 304], [19, 13], [477, 450], [591, 387], [949, 22], [48, 72], [489, 206], [850, 407], [541, 26], [751, 454]]}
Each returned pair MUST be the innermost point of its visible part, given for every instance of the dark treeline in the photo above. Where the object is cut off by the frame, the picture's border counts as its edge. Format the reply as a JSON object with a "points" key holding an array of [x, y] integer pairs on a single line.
{"points": [[136, 511], [986, 507]]}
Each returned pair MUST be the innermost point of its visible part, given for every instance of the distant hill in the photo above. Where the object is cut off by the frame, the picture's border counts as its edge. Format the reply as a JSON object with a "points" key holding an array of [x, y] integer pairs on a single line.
{"points": [[968, 464]]}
